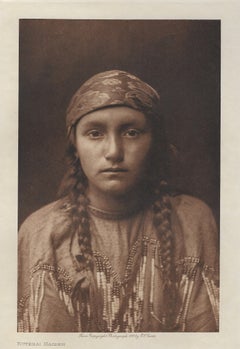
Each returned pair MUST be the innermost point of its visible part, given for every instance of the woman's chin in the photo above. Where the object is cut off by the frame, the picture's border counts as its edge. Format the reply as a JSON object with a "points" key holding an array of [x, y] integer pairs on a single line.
{"points": [[116, 190]]}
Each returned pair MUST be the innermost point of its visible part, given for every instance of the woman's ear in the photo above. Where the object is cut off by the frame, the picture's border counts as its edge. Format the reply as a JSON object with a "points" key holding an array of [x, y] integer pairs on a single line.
{"points": [[76, 154]]}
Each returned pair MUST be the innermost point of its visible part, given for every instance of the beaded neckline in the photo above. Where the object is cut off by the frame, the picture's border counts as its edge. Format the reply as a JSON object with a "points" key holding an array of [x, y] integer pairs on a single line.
{"points": [[113, 215]]}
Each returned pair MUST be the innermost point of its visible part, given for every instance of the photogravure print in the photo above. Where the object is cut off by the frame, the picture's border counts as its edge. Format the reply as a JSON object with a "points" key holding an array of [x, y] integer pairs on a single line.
{"points": [[130, 242]]}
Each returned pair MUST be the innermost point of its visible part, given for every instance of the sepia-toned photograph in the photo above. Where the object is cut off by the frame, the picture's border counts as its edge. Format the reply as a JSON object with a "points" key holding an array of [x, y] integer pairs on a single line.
{"points": [[118, 175]]}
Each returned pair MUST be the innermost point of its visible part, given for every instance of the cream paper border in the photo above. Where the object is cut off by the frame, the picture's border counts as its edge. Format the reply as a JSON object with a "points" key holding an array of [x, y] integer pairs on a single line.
{"points": [[228, 12]]}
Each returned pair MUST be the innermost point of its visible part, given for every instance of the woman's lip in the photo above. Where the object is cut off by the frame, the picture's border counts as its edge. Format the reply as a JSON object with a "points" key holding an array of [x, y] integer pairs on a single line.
{"points": [[114, 170]]}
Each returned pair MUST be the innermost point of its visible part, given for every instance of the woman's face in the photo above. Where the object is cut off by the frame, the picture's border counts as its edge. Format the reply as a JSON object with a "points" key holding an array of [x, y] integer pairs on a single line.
{"points": [[113, 145]]}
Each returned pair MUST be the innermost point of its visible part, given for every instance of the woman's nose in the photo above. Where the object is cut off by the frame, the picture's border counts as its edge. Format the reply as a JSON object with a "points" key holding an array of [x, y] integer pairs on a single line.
{"points": [[114, 149]]}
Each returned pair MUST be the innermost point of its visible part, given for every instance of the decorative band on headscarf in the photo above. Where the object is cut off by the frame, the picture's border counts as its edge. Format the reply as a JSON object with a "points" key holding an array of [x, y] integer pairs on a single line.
{"points": [[112, 88]]}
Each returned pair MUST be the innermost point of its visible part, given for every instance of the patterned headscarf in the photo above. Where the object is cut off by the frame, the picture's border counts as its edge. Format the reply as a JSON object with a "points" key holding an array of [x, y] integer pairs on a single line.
{"points": [[112, 88]]}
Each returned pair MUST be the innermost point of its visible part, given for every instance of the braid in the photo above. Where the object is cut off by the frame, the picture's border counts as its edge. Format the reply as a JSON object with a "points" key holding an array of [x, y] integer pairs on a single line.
{"points": [[74, 186], [83, 227], [162, 222]]}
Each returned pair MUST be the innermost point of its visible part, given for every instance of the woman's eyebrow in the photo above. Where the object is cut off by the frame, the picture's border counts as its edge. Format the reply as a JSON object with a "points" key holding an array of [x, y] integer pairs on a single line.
{"points": [[121, 125], [91, 123], [132, 124], [135, 124]]}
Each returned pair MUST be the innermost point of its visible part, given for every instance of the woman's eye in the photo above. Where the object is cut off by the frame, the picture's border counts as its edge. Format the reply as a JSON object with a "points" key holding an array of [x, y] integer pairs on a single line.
{"points": [[95, 134], [132, 133]]}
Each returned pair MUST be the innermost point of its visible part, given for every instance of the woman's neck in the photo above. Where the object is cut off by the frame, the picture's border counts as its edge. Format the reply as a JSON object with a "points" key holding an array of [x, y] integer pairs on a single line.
{"points": [[116, 203]]}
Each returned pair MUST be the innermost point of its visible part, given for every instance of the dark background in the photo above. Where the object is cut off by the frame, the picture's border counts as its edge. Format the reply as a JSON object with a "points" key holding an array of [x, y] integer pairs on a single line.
{"points": [[181, 59]]}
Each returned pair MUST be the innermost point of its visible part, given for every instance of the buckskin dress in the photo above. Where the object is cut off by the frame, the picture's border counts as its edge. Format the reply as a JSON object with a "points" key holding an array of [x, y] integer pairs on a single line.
{"points": [[126, 285]]}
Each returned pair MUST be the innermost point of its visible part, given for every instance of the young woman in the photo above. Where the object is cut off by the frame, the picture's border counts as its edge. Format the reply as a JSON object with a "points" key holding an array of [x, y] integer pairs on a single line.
{"points": [[119, 251]]}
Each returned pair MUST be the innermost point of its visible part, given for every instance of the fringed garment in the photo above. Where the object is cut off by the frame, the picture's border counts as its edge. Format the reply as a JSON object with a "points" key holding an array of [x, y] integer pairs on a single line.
{"points": [[125, 292]]}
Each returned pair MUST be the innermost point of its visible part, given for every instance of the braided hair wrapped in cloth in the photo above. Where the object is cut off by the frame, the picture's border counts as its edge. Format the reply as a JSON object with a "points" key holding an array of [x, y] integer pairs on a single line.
{"points": [[118, 251]]}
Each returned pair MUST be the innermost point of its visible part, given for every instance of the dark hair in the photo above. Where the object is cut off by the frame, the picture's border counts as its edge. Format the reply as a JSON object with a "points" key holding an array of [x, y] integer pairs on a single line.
{"points": [[74, 185]]}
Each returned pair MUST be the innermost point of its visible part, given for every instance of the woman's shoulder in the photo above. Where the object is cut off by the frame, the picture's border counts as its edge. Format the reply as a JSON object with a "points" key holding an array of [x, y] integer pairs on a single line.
{"points": [[43, 214], [191, 208], [45, 220], [198, 230]]}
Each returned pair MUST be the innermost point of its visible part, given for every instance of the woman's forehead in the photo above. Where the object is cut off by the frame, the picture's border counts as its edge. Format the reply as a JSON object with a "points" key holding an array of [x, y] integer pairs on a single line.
{"points": [[114, 116]]}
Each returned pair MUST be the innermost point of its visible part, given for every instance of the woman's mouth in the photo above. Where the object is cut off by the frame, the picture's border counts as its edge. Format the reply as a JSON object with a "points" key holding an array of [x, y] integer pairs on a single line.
{"points": [[114, 170]]}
